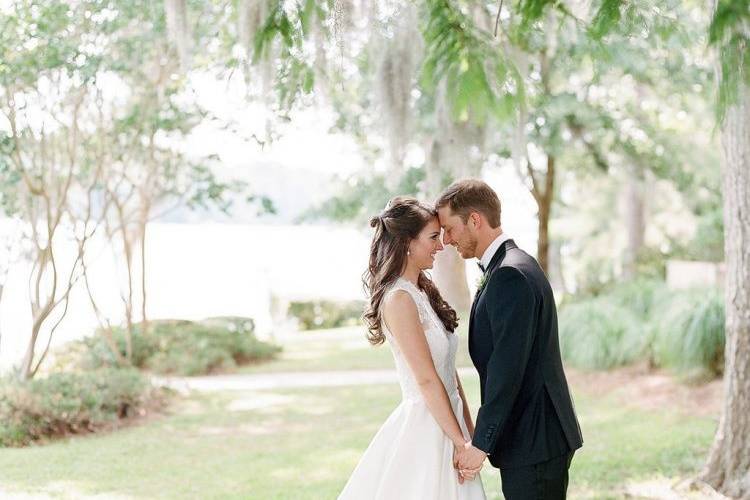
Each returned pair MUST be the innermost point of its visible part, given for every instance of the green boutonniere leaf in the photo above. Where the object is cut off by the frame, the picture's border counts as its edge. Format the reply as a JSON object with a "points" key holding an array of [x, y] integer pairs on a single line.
{"points": [[481, 282]]}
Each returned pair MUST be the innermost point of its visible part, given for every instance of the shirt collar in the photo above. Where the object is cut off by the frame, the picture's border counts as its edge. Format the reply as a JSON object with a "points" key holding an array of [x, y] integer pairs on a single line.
{"points": [[490, 252]]}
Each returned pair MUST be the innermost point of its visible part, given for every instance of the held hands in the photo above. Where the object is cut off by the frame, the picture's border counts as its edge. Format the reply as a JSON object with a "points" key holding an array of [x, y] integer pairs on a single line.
{"points": [[468, 460]]}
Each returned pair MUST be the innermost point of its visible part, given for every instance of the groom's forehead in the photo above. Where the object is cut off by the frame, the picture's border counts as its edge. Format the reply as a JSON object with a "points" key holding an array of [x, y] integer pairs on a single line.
{"points": [[443, 214]]}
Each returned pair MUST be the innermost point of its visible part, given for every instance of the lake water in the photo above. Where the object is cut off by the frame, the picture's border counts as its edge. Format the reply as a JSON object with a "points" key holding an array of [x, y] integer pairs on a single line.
{"points": [[196, 271], [201, 270]]}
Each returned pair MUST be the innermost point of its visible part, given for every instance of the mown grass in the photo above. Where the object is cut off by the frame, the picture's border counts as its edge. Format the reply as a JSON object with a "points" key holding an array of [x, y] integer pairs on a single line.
{"points": [[338, 349], [303, 444]]}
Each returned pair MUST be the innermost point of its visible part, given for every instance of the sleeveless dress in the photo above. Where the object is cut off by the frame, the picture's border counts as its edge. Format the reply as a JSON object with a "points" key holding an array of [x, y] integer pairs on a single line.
{"points": [[410, 457]]}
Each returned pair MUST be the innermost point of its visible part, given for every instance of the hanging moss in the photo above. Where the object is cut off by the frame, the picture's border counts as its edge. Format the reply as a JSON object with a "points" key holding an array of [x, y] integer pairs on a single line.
{"points": [[178, 30], [397, 70]]}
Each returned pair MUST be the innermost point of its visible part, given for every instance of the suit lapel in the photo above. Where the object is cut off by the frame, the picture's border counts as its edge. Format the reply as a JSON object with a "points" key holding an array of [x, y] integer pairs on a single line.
{"points": [[495, 262]]}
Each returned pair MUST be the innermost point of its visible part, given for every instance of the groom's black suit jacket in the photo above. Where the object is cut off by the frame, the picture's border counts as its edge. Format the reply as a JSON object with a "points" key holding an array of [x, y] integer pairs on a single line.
{"points": [[527, 414]]}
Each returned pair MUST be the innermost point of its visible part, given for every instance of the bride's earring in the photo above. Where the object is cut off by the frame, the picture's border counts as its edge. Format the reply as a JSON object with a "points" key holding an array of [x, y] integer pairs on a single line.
{"points": [[408, 252]]}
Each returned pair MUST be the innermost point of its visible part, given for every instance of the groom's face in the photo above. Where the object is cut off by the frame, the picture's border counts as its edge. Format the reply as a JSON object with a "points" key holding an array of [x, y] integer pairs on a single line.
{"points": [[457, 233]]}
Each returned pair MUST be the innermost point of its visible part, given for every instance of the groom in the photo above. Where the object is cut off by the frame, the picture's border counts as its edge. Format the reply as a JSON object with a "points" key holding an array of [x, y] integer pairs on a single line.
{"points": [[526, 425]]}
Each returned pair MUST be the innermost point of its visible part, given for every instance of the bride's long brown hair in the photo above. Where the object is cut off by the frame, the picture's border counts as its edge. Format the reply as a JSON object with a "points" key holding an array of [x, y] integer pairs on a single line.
{"points": [[401, 221]]}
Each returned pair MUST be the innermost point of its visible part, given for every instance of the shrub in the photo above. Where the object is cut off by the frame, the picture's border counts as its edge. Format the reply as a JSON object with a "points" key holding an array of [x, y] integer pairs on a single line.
{"points": [[641, 296], [71, 403], [643, 319], [690, 334], [326, 314], [183, 347], [599, 334]]}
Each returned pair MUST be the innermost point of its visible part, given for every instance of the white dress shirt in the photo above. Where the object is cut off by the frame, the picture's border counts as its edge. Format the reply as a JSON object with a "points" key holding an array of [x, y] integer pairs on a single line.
{"points": [[494, 246]]}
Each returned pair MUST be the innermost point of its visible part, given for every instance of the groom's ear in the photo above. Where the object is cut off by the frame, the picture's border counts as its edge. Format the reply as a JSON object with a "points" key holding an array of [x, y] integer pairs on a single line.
{"points": [[476, 219]]}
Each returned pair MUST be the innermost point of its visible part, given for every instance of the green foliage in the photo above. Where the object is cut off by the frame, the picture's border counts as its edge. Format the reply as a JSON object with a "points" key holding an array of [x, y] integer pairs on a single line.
{"points": [[644, 320], [361, 197], [70, 403], [643, 296], [729, 34], [531, 10], [290, 23], [326, 313], [182, 347], [608, 15], [482, 82], [599, 334], [690, 334]]}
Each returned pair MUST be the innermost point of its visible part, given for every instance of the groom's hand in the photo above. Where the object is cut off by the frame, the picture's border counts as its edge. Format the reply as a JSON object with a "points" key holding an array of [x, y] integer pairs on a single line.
{"points": [[468, 475], [470, 458]]}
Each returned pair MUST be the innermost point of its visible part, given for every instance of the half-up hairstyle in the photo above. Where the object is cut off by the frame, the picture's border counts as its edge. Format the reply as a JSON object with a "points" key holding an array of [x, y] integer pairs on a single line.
{"points": [[401, 221]]}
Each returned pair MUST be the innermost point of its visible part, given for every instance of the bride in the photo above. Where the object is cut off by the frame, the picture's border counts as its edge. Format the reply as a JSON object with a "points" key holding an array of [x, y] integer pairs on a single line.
{"points": [[412, 455]]}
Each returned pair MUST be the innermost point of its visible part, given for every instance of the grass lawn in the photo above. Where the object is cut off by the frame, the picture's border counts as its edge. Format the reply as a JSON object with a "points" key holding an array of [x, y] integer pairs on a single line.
{"points": [[302, 444], [339, 349]]}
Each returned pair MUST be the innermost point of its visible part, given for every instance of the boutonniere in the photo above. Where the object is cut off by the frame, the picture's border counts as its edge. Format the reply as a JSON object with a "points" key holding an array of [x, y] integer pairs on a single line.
{"points": [[481, 282]]}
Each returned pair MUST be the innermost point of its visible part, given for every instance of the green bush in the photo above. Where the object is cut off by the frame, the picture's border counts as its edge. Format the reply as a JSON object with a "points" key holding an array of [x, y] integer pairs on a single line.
{"points": [[690, 334], [326, 314], [183, 347], [644, 320], [642, 296], [71, 403], [599, 334]]}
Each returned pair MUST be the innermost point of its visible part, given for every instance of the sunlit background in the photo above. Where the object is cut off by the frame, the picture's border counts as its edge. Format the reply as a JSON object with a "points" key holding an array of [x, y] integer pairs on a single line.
{"points": [[184, 204]]}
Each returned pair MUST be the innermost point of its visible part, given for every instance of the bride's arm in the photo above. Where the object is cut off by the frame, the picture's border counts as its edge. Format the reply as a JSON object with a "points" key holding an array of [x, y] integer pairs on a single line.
{"points": [[400, 314], [467, 412]]}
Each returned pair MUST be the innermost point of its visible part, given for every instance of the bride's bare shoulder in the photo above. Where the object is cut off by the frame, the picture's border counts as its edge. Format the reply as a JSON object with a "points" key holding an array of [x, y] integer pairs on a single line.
{"points": [[399, 309]]}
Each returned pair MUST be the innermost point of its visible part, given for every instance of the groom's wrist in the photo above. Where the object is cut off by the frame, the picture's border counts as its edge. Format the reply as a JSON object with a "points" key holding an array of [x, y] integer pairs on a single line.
{"points": [[480, 446]]}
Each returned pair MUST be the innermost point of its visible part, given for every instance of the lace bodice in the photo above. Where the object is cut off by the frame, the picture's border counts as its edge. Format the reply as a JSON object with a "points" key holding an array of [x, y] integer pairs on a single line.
{"points": [[443, 345]]}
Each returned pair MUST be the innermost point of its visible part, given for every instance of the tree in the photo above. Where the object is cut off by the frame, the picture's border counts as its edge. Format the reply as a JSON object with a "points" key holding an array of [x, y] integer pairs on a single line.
{"points": [[148, 173], [93, 116], [728, 466], [49, 101], [531, 85]]}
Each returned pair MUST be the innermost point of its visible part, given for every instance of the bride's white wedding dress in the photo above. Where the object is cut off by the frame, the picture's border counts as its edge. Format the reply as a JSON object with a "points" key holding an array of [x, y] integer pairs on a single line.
{"points": [[410, 457]]}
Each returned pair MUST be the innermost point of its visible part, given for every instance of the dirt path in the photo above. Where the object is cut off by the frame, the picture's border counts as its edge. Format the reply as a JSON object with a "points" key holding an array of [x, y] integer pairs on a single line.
{"points": [[651, 389], [636, 385], [287, 380]]}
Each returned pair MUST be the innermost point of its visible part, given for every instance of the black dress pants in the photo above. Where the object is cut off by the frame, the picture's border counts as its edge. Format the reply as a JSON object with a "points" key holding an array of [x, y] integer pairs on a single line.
{"points": [[543, 481]]}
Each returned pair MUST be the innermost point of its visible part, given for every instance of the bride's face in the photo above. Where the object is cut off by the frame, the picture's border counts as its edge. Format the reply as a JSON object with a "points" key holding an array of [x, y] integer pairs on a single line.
{"points": [[423, 248]]}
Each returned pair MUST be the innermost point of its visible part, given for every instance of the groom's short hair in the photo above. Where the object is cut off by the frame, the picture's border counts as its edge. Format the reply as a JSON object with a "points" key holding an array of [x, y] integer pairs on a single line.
{"points": [[471, 195]]}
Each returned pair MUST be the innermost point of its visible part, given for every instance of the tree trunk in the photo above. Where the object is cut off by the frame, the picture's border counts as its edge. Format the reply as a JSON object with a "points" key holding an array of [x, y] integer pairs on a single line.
{"points": [[449, 272], [555, 271], [728, 466], [634, 220], [544, 203], [449, 276], [143, 227], [24, 370]]}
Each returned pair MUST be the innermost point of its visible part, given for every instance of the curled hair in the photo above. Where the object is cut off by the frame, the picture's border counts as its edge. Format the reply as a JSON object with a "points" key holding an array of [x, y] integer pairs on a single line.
{"points": [[401, 222]]}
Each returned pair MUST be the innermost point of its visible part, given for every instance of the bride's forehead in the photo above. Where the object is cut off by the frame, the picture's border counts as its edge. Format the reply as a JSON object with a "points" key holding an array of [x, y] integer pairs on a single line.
{"points": [[433, 225]]}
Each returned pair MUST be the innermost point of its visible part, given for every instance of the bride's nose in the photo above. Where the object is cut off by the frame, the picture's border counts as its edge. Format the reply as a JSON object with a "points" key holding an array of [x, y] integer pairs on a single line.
{"points": [[439, 245]]}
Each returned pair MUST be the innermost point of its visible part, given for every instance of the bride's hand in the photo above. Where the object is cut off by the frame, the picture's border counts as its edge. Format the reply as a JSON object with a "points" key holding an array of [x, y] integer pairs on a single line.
{"points": [[457, 449], [463, 474], [469, 474]]}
